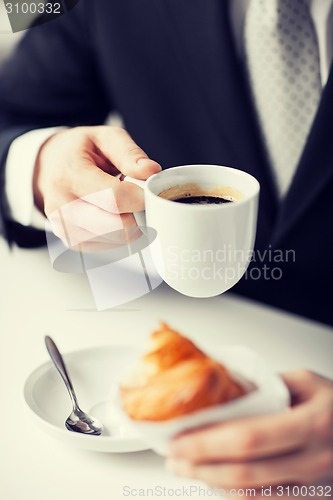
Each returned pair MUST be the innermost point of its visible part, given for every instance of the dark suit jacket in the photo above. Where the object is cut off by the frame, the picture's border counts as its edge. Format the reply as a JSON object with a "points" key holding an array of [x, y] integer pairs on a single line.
{"points": [[170, 68]]}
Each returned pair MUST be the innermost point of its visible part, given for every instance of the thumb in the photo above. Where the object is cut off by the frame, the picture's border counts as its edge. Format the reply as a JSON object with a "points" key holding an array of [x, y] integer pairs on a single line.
{"points": [[302, 384], [118, 146]]}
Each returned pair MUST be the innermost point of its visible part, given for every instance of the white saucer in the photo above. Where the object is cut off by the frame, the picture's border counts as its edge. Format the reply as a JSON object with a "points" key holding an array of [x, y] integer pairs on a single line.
{"points": [[95, 374]]}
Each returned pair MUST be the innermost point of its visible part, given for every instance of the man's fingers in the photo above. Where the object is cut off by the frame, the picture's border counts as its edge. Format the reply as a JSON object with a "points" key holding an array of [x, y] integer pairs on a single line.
{"points": [[265, 435], [88, 216], [70, 235], [94, 155], [124, 153], [245, 438], [303, 384], [105, 191], [300, 467], [290, 447], [79, 221]]}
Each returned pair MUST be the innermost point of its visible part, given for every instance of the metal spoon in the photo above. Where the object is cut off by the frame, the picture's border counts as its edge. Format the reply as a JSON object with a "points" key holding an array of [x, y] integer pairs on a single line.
{"points": [[78, 420]]}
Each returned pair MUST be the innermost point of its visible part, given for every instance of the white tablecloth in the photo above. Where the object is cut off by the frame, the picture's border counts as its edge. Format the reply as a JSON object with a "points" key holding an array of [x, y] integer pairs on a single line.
{"points": [[36, 300]]}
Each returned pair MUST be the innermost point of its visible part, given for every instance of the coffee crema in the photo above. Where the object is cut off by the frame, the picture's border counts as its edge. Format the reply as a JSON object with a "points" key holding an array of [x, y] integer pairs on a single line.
{"points": [[192, 194]]}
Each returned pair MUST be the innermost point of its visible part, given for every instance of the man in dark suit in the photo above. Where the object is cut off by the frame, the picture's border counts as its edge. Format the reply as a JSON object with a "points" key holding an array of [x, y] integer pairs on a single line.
{"points": [[173, 71]]}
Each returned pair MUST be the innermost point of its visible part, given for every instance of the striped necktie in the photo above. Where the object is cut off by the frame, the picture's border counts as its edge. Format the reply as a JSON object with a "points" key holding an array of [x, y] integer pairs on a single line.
{"points": [[283, 66]]}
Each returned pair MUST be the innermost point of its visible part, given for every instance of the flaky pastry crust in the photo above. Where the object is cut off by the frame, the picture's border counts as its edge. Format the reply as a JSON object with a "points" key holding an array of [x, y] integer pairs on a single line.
{"points": [[175, 378]]}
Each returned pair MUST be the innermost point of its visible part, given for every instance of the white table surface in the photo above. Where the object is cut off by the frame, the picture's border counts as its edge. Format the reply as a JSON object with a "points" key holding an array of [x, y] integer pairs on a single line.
{"points": [[36, 300]]}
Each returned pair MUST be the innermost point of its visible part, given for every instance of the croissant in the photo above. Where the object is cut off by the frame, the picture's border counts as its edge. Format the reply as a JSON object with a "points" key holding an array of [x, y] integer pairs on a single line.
{"points": [[175, 378]]}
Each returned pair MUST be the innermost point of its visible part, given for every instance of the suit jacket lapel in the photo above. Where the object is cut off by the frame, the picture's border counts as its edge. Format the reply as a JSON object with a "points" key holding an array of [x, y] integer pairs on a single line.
{"points": [[200, 31]]}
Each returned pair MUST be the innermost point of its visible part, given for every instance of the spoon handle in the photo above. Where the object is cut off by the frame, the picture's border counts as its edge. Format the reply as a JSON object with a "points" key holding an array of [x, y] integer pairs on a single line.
{"points": [[61, 367]]}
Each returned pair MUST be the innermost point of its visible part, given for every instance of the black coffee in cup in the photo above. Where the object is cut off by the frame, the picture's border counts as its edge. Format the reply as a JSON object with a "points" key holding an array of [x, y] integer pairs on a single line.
{"points": [[193, 194], [203, 200]]}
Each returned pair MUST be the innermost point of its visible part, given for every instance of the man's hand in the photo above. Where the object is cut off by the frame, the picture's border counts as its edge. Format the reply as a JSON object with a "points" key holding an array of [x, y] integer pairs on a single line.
{"points": [[75, 184], [294, 447]]}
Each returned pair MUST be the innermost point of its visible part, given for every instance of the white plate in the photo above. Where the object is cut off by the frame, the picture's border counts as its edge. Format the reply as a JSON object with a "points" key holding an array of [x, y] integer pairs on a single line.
{"points": [[95, 374]]}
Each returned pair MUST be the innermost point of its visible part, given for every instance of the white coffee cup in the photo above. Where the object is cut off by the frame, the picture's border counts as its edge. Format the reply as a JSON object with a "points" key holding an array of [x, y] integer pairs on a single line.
{"points": [[202, 250]]}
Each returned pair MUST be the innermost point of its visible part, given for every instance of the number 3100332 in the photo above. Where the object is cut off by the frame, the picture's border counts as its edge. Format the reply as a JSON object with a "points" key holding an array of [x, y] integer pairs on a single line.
{"points": [[33, 8], [304, 491]]}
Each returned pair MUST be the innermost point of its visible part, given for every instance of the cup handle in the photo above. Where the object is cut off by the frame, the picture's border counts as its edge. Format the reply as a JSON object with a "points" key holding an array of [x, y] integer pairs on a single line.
{"points": [[140, 217]]}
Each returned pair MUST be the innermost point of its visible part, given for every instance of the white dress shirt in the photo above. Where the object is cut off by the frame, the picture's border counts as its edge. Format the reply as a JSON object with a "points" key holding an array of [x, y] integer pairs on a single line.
{"points": [[24, 150]]}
